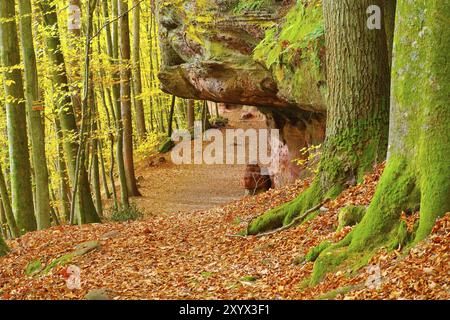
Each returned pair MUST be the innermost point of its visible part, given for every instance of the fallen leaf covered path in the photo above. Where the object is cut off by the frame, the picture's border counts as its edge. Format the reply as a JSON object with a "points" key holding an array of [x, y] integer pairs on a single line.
{"points": [[189, 256]]}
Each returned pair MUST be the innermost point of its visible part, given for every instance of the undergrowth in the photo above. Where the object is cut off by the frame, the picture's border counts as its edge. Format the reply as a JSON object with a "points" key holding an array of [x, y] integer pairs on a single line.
{"points": [[129, 213]]}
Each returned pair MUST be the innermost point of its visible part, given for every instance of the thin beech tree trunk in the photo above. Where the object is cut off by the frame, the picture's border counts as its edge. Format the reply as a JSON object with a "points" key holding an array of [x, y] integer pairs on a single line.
{"points": [[36, 120], [137, 77], [112, 47], [21, 189], [125, 98], [7, 206]]}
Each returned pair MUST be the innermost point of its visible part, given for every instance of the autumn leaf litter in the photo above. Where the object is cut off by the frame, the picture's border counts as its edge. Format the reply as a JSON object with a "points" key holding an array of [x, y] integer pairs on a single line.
{"points": [[191, 256]]}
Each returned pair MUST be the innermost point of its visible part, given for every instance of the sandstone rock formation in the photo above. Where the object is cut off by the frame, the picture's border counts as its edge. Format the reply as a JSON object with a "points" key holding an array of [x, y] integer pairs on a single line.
{"points": [[210, 57]]}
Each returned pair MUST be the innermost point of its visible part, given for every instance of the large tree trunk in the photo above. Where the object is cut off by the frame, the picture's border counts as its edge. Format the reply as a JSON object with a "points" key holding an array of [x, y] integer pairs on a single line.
{"points": [[417, 174], [125, 98], [21, 190], [358, 109], [36, 121], [85, 208], [137, 80]]}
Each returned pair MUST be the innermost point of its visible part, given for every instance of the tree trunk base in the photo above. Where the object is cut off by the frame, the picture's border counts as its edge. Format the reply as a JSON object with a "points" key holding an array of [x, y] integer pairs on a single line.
{"points": [[3, 247], [381, 225]]}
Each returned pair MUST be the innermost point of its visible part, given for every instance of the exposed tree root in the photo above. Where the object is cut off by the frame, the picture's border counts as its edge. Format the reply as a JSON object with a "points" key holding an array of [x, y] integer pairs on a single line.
{"points": [[296, 221], [285, 214], [380, 227]]}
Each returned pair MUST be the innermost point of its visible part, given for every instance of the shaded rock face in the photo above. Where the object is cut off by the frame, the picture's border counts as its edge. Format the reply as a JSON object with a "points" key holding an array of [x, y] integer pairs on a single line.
{"points": [[298, 130], [207, 55]]}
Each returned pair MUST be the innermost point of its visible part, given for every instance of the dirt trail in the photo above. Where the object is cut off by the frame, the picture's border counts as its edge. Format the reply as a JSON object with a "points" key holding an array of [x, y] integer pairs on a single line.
{"points": [[168, 188]]}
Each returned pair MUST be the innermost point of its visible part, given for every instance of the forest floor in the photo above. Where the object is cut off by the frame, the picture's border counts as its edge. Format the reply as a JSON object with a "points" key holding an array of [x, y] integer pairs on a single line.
{"points": [[182, 249], [168, 188]]}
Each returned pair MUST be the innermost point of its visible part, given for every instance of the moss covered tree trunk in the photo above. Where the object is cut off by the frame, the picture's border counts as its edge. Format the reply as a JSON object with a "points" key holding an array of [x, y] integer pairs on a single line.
{"points": [[417, 173], [358, 108], [36, 120], [3, 247], [4, 230], [125, 97], [85, 209], [418, 169], [21, 190]]}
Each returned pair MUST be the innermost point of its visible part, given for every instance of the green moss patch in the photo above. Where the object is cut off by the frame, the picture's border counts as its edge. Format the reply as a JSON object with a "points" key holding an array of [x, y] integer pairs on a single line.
{"points": [[314, 252], [350, 216]]}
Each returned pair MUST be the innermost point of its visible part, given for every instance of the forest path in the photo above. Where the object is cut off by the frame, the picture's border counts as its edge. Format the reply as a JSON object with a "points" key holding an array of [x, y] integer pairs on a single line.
{"points": [[169, 188]]}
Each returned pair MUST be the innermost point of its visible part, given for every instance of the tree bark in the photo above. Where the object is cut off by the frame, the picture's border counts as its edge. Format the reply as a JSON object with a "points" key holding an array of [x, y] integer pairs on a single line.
{"points": [[170, 120], [4, 228], [152, 76], [21, 190], [3, 247], [358, 109], [125, 98], [95, 163], [7, 206], [36, 120], [137, 77], [74, 37], [103, 168], [418, 170], [191, 114], [389, 14], [111, 140], [64, 188]]}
